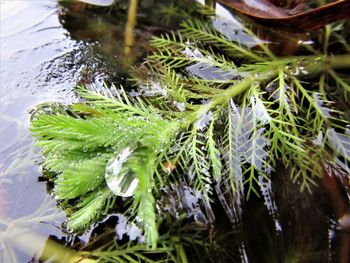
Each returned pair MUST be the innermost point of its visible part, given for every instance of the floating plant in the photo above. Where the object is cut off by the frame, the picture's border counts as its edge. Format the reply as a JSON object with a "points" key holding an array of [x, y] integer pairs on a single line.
{"points": [[243, 111]]}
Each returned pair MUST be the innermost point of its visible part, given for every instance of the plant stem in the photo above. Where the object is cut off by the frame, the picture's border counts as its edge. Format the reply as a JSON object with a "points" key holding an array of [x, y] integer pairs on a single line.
{"points": [[312, 64], [338, 61], [130, 26], [318, 63], [218, 99]]}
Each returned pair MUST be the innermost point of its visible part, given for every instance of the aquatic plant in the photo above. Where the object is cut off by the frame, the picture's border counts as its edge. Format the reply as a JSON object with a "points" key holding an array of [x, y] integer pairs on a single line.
{"points": [[216, 111]]}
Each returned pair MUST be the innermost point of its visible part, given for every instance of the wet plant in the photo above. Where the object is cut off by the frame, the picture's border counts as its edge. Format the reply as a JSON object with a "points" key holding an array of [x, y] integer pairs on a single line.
{"points": [[213, 112]]}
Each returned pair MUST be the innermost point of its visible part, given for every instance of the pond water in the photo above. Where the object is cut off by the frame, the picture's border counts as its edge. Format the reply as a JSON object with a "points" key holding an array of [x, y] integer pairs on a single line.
{"points": [[45, 53], [40, 62]]}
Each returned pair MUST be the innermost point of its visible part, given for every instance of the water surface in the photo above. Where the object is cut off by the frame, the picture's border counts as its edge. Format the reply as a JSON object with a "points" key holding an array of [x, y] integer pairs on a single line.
{"points": [[40, 62]]}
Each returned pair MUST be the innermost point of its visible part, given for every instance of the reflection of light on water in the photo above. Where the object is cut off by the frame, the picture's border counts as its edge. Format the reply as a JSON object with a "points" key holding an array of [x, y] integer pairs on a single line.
{"points": [[98, 2], [33, 46], [228, 25], [40, 63], [28, 234], [221, 11], [20, 20], [129, 229], [32, 38]]}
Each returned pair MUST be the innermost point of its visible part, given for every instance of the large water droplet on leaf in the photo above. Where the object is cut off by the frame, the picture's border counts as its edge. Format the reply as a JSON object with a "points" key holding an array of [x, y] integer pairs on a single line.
{"points": [[120, 180]]}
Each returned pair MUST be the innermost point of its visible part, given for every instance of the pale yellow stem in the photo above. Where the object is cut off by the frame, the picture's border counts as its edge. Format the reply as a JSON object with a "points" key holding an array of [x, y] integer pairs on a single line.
{"points": [[130, 26]]}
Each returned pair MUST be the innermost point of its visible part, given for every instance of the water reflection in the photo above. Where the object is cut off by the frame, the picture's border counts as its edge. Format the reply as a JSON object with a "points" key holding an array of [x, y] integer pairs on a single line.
{"points": [[39, 63]]}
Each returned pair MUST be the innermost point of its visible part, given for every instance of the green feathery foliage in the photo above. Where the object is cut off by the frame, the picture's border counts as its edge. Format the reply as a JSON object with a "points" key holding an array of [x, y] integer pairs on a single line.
{"points": [[78, 147], [217, 111]]}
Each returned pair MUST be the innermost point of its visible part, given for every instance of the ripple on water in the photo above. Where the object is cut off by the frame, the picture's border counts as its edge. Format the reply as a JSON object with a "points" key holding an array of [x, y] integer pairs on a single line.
{"points": [[39, 63]]}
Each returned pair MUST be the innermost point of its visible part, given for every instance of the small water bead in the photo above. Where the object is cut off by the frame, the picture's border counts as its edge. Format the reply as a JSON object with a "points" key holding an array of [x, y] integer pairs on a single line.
{"points": [[85, 149]]}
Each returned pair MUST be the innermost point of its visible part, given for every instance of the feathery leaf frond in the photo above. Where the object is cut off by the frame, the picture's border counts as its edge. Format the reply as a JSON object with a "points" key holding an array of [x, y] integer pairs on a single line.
{"points": [[209, 113]]}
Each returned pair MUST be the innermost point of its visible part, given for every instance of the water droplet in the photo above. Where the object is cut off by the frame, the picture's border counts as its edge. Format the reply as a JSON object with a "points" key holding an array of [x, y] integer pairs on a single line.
{"points": [[120, 180]]}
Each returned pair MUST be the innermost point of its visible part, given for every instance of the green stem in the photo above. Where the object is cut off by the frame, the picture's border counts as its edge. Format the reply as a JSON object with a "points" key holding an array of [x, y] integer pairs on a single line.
{"points": [[312, 64], [338, 61], [327, 36], [219, 99], [318, 63]]}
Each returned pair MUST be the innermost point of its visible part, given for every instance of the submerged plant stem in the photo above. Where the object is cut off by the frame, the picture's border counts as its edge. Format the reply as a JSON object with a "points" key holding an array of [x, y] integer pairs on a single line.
{"points": [[319, 63], [130, 26], [338, 61]]}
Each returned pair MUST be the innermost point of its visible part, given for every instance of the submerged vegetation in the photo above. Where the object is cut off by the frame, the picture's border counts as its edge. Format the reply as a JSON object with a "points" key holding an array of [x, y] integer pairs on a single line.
{"points": [[211, 115]]}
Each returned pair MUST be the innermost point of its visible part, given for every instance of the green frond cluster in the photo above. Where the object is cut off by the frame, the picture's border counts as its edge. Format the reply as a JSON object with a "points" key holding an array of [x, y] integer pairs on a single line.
{"points": [[79, 147], [213, 112], [193, 158], [271, 114], [171, 248], [89, 209]]}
